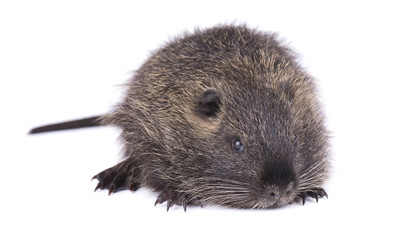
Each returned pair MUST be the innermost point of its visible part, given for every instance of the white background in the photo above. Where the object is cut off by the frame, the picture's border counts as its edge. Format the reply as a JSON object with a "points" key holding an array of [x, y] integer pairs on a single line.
{"points": [[61, 60]]}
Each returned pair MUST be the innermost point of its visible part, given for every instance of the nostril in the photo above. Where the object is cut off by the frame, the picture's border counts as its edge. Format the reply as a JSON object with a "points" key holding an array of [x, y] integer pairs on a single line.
{"points": [[274, 195]]}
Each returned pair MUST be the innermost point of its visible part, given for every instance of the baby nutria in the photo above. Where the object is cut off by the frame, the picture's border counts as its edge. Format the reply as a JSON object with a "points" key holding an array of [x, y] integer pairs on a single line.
{"points": [[223, 116]]}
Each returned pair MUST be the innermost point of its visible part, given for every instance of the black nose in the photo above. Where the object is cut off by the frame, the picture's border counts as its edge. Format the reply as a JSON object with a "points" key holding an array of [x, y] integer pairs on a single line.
{"points": [[274, 193]]}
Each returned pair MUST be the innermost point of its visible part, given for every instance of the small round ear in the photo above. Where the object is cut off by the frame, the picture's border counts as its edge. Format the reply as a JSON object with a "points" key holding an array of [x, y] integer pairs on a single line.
{"points": [[210, 104]]}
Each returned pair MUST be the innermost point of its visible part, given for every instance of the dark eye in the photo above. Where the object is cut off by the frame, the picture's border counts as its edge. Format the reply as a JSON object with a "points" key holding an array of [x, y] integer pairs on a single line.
{"points": [[237, 145]]}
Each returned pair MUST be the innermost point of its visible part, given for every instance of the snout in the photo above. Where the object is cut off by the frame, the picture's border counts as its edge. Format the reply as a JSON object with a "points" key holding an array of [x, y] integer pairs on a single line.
{"points": [[276, 196]]}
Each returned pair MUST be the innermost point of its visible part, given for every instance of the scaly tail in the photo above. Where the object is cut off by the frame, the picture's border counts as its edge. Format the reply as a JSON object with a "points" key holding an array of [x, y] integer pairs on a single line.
{"points": [[80, 123]]}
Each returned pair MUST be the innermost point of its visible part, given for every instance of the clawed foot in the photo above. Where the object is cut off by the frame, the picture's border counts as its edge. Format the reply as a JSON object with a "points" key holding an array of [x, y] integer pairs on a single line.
{"points": [[314, 193], [171, 198], [114, 181]]}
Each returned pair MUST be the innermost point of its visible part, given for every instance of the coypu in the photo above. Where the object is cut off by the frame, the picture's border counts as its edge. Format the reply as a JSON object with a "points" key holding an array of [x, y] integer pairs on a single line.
{"points": [[223, 116]]}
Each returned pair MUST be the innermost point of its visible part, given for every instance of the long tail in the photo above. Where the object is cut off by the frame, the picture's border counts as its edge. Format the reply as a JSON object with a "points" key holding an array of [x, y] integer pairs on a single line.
{"points": [[80, 123]]}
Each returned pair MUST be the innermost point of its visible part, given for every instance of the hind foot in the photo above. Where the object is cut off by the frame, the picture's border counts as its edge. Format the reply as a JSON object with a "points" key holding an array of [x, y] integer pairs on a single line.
{"points": [[115, 180]]}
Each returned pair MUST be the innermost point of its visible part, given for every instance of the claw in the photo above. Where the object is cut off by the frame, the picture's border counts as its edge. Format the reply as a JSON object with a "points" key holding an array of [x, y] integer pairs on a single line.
{"points": [[184, 206], [163, 197], [115, 180], [112, 189], [100, 185], [316, 193], [319, 193], [324, 193], [97, 176], [169, 204], [184, 203], [172, 198]]}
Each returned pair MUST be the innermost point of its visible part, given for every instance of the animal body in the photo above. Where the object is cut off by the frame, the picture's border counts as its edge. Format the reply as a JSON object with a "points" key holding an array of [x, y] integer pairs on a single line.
{"points": [[223, 116]]}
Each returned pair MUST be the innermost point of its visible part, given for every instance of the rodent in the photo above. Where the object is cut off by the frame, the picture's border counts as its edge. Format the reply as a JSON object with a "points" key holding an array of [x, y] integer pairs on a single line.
{"points": [[223, 116]]}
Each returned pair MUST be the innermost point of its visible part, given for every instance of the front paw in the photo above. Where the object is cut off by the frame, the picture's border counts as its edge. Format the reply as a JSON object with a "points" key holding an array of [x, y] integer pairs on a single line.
{"points": [[314, 193], [172, 197], [115, 180]]}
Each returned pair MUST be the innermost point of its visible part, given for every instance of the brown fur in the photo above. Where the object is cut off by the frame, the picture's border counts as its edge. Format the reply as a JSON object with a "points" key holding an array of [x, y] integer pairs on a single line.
{"points": [[194, 98], [187, 156]]}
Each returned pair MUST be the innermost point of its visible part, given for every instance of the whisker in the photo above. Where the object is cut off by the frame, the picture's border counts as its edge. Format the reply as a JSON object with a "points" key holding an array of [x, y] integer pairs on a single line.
{"points": [[311, 177]]}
